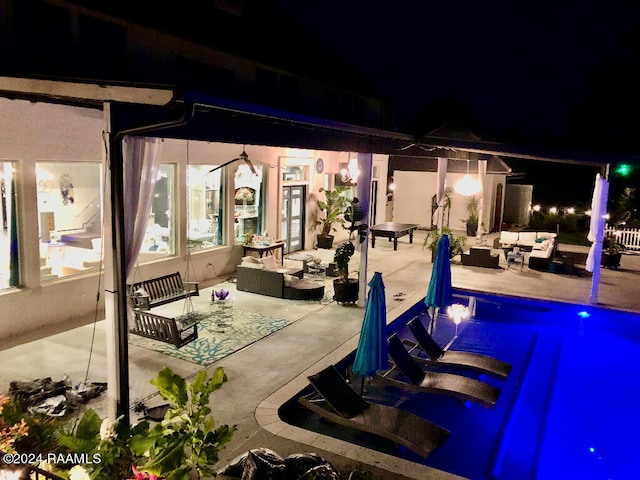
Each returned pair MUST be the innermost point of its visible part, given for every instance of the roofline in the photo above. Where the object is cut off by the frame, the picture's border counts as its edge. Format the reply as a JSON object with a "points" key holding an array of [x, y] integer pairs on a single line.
{"points": [[88, 92]]}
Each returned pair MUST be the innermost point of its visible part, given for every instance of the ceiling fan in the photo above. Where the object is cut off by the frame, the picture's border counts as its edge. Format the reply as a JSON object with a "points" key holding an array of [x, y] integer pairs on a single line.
{"points": [[244, 157]]}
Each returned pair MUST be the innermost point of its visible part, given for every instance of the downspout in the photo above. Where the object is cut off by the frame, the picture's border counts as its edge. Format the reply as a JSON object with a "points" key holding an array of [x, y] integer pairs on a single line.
{"points": [[117, 345]]}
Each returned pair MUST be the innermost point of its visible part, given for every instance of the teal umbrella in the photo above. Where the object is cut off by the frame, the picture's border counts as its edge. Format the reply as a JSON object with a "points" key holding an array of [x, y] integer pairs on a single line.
{"points": [[439, 294], [372, 352]]}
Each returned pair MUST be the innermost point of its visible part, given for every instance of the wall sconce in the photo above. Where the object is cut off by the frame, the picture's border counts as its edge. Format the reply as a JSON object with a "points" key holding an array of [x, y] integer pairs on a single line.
{"points": [[468, 185], [351, 173]]}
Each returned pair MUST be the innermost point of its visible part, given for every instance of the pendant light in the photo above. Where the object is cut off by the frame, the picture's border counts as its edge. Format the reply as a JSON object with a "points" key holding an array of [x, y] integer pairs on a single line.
{"points": [[468, 185]]}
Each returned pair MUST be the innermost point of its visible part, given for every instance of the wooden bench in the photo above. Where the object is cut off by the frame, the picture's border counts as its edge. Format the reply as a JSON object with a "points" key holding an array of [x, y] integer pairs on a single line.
{"points": [[163, 329], [158, 291]]}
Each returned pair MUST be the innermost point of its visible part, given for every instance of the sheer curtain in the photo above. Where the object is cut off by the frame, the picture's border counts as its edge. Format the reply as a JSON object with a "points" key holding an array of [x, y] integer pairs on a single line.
{"points": [[141, 164]]}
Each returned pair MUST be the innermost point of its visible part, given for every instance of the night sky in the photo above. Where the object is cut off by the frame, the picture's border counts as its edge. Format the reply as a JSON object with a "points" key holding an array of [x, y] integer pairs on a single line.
{"points": [[553, 74]]}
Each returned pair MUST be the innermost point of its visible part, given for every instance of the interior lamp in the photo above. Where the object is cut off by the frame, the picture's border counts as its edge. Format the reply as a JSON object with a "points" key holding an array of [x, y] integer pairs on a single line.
{"points": [[458, 312], [468, 185], [351, 173]]}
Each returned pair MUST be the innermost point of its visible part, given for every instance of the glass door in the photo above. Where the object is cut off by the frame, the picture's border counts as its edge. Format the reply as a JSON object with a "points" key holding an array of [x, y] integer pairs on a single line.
{"points": [[293, 218]]}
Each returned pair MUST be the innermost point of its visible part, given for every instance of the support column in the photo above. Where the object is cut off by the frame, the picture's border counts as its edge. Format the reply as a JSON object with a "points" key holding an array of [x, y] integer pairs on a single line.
{"points": [[365, 165], [114, 281]]}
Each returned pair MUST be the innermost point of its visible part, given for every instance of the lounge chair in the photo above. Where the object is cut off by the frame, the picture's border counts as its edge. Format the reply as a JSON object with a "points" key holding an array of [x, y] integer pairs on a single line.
{"points": [[340, 404], [472, 361], [457, 386]]}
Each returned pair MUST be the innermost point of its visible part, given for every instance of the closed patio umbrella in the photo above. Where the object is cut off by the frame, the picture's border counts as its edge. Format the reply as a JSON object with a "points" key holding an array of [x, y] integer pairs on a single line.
{"points": [[372, 352], [596, 233], [439, 294]]}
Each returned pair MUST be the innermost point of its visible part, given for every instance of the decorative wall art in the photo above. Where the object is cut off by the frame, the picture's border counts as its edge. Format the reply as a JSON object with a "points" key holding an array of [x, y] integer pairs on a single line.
{"points": [[66, 189]]}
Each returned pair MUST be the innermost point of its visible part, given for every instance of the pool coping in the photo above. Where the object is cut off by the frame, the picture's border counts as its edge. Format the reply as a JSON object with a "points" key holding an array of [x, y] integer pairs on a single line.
{"points": [[266, 414]]}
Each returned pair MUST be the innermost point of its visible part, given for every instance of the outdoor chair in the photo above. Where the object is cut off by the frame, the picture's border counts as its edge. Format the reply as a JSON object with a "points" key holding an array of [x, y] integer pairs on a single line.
{"points": [[468, 360], [419, 381], [337, 402]]}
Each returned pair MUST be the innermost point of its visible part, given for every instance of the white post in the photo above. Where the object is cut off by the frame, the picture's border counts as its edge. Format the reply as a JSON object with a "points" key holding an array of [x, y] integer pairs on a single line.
{"points": [[365, 164], [482, 173], [115, 304], [597, 251]]}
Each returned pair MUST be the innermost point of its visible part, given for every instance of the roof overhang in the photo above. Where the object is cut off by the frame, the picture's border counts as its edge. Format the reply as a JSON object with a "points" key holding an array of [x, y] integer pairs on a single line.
{"points": [[149, 109], [90, 93]]}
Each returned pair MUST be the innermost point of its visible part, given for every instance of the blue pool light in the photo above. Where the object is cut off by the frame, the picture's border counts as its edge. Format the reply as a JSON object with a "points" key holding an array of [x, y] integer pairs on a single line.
{"points": [[592, 450], [584, 314]]}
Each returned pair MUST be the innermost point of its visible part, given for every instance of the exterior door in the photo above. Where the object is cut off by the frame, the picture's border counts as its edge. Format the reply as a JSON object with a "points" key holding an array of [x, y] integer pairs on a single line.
{"points": [[373, 211], [293, 217]]}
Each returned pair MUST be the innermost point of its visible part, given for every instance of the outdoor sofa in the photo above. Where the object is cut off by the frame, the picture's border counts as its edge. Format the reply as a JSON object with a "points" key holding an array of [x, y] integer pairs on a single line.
{"points": [[265, 277]]}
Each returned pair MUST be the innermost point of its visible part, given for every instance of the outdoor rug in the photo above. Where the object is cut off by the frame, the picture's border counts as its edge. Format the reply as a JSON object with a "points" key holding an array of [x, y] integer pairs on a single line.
{"points": [[214, 343]]}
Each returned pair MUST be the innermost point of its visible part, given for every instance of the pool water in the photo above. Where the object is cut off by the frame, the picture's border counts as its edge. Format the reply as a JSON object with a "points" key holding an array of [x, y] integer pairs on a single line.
{"points": [[567, 409]]}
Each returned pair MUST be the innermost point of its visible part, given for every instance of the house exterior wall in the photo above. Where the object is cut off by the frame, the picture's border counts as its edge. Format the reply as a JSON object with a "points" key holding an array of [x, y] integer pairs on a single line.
{"points": [[36, 132], [414, 190]]}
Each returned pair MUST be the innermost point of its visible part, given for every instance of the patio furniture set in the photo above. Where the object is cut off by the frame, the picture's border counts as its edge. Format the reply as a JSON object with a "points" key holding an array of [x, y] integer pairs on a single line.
{"points": [[535, 249], [266, 277], [335, 400]]}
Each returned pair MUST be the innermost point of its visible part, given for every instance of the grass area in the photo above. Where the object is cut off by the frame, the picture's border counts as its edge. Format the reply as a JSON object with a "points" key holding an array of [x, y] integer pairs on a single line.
{"points": [[573, 238]]}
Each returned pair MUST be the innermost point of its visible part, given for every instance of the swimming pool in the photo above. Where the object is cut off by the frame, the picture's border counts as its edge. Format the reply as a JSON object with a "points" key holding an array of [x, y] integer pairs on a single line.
{"points": [[567, 409]]}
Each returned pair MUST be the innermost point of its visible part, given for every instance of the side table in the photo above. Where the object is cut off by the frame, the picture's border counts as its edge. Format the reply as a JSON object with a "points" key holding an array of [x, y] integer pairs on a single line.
{"points": [[514, 258], [222, 314]]}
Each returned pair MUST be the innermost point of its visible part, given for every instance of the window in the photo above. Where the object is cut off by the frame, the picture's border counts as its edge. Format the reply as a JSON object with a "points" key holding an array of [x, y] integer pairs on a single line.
{"points": [[160, 237], [9, 264], [205, 203], [249, 202], [69, 214]]}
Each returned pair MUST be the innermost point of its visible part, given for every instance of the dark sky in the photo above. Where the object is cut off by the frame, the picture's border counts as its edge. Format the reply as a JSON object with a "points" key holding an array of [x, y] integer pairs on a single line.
{"points": [[529, 71], [555, 184], [559, 74]]}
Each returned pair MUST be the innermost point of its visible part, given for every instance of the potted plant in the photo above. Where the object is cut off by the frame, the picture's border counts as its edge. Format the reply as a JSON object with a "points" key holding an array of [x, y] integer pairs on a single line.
{"points": [[332, 211], [612, 253], [345, 288], [456, 244], [472, 217]]}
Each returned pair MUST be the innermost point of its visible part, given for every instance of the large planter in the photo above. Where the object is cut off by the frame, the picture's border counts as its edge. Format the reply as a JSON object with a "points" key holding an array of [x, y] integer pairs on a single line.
{"points": [[345, 291], [472, 229], [325, 241], [611, 260]]}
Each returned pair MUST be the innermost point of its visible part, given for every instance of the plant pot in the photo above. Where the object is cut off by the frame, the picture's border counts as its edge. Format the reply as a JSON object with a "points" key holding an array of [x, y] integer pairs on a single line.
{"points": [[611, 260], [325, 241], [345, 292], [472, 229]]}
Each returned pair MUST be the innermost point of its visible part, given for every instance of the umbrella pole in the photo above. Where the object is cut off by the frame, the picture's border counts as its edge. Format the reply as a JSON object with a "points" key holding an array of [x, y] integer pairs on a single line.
{"points": [[433, 320]]}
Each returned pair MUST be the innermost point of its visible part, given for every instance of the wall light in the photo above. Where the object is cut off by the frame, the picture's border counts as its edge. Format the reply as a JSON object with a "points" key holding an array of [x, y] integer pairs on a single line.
{"points": [[553, 210], [571, 210], [536, 208], [351, 173]]}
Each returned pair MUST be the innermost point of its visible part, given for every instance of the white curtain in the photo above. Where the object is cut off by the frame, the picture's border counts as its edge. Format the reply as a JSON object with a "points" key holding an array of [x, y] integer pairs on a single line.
{"points": [[440, 187], [596, 233], [141, 163]]}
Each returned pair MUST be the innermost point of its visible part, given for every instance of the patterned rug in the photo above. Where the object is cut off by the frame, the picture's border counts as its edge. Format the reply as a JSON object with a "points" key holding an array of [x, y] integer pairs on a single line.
{"points": [[214, 342]]}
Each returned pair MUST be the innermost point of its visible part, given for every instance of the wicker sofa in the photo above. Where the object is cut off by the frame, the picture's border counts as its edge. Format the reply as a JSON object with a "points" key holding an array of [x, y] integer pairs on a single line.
{"points": [[265, 277]]}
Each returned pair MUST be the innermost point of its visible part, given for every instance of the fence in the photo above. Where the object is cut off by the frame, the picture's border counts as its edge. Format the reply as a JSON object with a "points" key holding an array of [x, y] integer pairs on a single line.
{"points": [[629, 237]]}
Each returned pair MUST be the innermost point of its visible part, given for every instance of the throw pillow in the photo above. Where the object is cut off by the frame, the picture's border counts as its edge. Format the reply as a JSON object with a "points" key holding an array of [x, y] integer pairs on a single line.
{"points": [[250, 259], [539, 240], [289, 280], [257, 266], [269, 262]]}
